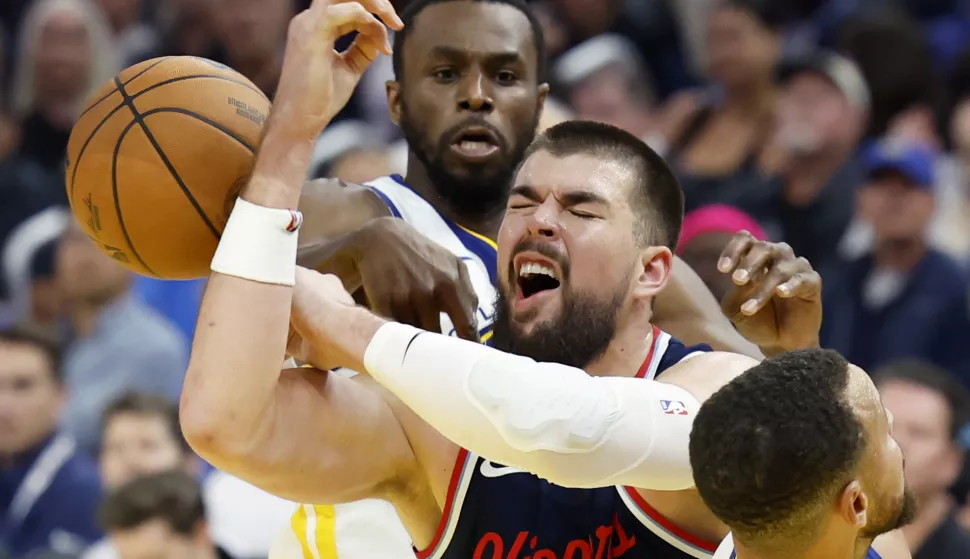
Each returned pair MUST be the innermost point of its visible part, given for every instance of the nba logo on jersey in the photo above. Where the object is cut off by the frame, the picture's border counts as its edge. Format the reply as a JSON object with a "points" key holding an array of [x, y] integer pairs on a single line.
{"points": [[673, 407]]}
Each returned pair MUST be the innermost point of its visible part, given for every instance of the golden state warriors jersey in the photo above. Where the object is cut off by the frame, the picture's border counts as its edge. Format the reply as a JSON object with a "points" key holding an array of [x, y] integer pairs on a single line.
{"points": [[370, 529]]}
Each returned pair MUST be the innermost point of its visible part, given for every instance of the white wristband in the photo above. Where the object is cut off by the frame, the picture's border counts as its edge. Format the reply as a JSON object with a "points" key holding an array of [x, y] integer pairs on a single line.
{"points": [[259, 244]]}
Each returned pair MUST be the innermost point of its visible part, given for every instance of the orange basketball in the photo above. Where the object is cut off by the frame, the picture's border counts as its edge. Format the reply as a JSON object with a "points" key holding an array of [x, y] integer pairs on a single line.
{"points": [[157, 159]]}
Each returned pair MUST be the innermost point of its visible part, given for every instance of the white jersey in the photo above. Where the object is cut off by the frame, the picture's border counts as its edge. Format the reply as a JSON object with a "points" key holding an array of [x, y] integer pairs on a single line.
{"points": [[726, 549], [370, 529]]}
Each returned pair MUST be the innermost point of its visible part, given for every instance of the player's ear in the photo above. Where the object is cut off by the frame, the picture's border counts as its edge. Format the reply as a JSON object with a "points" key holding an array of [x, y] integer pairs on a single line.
{"points": [[394, 100], [853, 505], [655, 266], [541, 99]]}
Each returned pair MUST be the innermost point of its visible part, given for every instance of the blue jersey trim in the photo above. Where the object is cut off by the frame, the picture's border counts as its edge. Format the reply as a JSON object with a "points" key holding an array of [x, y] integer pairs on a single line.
{"points": [[390, 205]]}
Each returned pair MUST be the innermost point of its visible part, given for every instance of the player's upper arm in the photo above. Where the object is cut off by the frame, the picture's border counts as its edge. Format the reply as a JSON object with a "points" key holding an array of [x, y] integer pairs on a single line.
{"points": [[892, 545], [327, 439], [689, 311], [332, 208]]}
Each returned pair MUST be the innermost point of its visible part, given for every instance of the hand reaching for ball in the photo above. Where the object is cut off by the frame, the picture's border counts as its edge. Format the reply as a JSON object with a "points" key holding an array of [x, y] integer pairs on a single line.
{"points": [[317, 81]]}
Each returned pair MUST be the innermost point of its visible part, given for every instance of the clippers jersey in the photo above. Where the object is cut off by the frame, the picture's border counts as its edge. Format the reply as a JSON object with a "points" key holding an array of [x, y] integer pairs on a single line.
{"points": [[371, 529], [496, 512], [726, 550]]}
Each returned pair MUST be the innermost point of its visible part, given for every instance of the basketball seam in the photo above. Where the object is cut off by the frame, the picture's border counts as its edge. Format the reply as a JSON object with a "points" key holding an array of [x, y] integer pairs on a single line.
{"points": [[112, 92], [197, 116], [129, 102], [117, 200], [70, 194]]}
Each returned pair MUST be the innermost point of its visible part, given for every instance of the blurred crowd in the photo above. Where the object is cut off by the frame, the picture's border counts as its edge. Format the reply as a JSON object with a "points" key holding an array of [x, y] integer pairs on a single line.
{"points": [[841, 127]]}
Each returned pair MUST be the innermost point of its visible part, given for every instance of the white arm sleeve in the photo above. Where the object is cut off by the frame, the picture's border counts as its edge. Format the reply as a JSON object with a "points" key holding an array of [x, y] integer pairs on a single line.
{"points": [[557, 422]]}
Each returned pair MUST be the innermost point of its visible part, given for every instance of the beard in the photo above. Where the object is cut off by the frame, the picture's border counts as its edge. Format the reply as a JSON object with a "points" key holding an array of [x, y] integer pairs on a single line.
{"points": [[481, 189], [901, 515], [579, 335]]}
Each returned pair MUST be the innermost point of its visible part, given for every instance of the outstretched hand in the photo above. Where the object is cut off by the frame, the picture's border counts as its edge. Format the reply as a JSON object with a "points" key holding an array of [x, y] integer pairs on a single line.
{"points": [[776, 301], [317, 80]]}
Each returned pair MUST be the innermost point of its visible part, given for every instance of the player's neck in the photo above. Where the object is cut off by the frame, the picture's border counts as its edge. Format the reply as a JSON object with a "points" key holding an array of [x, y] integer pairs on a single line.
{"points": [[627, 351], [825, 548], [485, 222]]}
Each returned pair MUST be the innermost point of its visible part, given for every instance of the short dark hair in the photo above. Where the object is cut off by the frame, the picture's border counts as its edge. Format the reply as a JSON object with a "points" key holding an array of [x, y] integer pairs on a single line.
{"points": [[414, 8], [933, 378], [137, 403], [773, 447], [657, 198], [172, 496], [25, 334]]}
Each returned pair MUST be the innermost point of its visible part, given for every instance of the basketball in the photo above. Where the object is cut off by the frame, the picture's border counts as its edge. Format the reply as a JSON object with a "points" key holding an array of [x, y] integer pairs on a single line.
{"points": [[156, 161]]}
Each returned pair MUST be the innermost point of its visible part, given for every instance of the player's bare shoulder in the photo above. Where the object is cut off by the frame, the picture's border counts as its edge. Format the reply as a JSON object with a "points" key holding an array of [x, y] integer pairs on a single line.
{"points": [[703, 374]]}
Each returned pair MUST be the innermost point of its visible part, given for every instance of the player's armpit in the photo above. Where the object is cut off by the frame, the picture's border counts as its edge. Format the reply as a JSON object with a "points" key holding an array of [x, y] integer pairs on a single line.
{"points": [[324, 439], [687, 309], [892, 545]]}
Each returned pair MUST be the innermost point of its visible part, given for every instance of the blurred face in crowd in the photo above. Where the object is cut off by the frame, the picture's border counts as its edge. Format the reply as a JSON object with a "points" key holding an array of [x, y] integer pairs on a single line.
{"points": [[30, 396], [702, 253], [253, 30], [897, 208], [607, 97], [468, 99], [922, 429], [84, 273], [569, 254], [63, 57], [136, 444], [361, 165], [155, 539], [741, 50], [813, 115], [121, 13]]}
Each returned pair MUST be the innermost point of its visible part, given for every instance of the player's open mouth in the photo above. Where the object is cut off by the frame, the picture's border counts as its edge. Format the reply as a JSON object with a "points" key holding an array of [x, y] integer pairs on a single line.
{"points": [[535, 276], [475, 143]]}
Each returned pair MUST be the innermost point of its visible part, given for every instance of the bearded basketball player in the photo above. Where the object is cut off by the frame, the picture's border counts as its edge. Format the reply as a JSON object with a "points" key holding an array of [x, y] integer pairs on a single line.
{"points": [[413, 243]]}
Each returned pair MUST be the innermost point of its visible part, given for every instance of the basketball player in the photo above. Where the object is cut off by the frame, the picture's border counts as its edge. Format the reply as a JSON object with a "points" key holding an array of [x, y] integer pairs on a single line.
{"points": [[797, 457]]}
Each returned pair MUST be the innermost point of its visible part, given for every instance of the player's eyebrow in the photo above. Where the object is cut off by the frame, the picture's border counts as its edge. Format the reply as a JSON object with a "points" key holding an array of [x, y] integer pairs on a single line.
{"points": [[571, 198]]}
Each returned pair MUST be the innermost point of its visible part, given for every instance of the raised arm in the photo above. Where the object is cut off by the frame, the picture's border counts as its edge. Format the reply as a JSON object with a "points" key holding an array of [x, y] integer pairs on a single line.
{"points": [[554, 421], [301, 434]]}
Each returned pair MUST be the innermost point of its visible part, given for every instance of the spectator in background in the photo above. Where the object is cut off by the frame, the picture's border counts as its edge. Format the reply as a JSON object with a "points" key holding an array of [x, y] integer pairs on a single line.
{"points": [[160, 516], [65, 54], [822, 109], [605, 80], [141, 436], [930, 413], [48, 490], [189, 28], [903, 299], [133, 40], [253, 33], [715, 148], [704, 235], [119, 344]]}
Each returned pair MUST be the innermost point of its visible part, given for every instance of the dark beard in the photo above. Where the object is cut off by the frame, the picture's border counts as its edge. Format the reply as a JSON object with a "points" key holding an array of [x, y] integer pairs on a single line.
{"points": [[905, 514], [485, 189], [577, 337]]}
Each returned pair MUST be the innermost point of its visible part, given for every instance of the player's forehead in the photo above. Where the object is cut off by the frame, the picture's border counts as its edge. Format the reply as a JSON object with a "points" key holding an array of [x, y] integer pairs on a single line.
{"points": [[477, 29], [603, 179], [862, 394]]}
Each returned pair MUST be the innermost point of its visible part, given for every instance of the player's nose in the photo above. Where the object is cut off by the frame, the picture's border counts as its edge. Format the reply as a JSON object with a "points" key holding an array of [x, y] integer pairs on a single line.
{"points": [[544, 222], [473, 94]]}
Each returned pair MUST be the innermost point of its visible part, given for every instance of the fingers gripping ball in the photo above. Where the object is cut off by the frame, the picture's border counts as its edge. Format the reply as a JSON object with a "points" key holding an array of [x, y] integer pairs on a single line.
{"points": [[157, 159]]}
